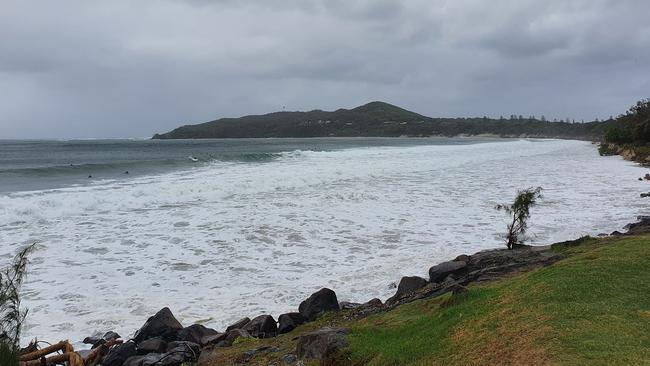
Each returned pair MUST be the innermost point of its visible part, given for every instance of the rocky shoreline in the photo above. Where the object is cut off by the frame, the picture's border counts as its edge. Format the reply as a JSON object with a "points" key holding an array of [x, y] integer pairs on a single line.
{"points": [[637, 154], [164, 341]]}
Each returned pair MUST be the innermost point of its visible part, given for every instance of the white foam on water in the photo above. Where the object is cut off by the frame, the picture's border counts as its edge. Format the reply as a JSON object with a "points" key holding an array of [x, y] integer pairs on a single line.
{"points": [[240, 239]]}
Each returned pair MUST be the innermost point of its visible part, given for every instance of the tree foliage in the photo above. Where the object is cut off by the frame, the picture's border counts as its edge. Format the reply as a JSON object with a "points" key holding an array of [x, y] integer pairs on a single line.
{"points": [[632, 127], [520, 212], [11, 314]]}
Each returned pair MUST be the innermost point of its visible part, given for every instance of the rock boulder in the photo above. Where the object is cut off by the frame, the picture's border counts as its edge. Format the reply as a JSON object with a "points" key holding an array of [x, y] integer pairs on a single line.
{"points": [[410, 284], [263, 326], [230, 337], [439, 272], [289, 322], [322, 344], [196, 333], [120, 353], [318, 303], [152, 345], [239, 324], [163, 325], [407, 285]]}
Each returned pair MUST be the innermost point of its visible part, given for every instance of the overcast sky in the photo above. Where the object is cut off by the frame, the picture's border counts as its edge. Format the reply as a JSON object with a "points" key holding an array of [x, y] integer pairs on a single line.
{"points": [[79, 69]]}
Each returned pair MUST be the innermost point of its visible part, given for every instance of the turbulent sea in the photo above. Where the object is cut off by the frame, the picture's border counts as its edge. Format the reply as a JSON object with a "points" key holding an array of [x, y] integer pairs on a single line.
{"points": [[255, 226]]}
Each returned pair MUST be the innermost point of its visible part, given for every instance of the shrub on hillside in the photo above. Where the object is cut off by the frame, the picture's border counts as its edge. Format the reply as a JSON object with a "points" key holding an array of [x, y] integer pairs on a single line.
{"points": [[11, 315], [519, 211]]}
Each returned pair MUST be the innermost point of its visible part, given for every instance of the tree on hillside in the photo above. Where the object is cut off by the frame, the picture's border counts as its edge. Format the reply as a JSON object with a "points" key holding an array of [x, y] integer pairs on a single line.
{"points": [[631, 127], [11, 315], [520, 212]]}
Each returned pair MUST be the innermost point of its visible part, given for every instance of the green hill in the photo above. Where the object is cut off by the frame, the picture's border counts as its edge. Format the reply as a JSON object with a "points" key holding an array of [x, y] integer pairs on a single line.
{"points": [[379, 119]]}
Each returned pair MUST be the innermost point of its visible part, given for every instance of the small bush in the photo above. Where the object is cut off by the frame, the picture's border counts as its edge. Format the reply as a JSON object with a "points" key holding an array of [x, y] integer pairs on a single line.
{"points": [[604, 149], [520, 212], [11, 315]]}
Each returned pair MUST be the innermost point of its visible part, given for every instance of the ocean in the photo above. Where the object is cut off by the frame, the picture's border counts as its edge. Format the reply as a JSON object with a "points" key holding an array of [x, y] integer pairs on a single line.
{"points": [[222, 229]]}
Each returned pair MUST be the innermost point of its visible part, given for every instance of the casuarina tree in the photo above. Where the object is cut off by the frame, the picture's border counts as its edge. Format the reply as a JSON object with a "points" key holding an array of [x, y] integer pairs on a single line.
{"points": [[11, 314], [519, 211]]}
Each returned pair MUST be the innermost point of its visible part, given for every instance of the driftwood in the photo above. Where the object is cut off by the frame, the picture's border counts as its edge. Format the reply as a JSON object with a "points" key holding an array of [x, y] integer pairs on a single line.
{"points": [[38, 357], [72, 358], [61, 346], [98, 352]]}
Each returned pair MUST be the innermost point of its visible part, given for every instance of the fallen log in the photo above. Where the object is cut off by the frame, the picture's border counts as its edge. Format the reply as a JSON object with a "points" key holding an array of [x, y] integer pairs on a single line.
{"points": [[98, 352], [72, 358], [61, 346]]}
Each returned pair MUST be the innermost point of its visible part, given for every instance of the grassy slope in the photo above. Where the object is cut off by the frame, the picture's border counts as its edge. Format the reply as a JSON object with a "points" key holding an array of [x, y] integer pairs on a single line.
{"points": [[592, 308]]}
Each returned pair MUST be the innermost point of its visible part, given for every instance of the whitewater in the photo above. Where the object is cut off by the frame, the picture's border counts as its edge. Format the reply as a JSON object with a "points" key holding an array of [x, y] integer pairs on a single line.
{"points": [[228, 239]]}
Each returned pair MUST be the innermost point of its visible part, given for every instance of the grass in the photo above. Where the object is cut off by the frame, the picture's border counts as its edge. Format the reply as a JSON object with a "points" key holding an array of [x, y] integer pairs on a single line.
{"points": [[592, 308]]}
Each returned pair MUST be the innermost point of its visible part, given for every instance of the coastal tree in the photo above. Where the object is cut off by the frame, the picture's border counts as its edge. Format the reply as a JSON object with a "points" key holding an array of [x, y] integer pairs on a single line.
{"points": [[519, 211], [11, 314], [632, 127]]}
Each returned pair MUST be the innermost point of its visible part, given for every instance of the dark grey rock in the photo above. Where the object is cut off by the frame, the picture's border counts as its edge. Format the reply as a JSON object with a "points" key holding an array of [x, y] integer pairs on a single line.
{"points": [[374, 303], [91, 340], [178, 352], [441, 271], [410, 284], [289, 359], [97, 341], [407, 285], [212, 340], [163, 325], [184, 347], [322, 344], [263, 326], [318, 303], [195, 333], [449, 280], [462, 258], [346, 305], [134, 361], [145, 360], [207, 355], [120, 353], [230, 337], [165, 359], [239, 324], [109, 336], [152, 345], [371, 307], [494, 264], [642, 226], [289, 322]]}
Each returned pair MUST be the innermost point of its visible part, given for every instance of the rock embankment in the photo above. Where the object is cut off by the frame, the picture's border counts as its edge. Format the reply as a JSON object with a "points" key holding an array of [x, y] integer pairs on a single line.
{"points": [[637, 154], [164, 341]]}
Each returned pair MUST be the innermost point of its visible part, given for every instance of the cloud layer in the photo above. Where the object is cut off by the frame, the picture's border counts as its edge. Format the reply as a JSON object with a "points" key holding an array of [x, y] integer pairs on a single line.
{"points": [[76, 69]]}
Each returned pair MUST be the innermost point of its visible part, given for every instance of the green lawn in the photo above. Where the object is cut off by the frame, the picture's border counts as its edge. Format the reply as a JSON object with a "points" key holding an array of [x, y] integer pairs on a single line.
{"points": [[590, 309]]}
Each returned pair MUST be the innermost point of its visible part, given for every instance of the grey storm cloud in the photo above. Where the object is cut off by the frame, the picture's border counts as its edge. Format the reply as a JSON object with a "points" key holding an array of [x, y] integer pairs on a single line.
{"points": [[77, 69]]}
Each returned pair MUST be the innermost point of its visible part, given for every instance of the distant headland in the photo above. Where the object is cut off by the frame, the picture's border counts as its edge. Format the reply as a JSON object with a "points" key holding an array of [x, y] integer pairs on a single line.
{"points": [[379, 119]]}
